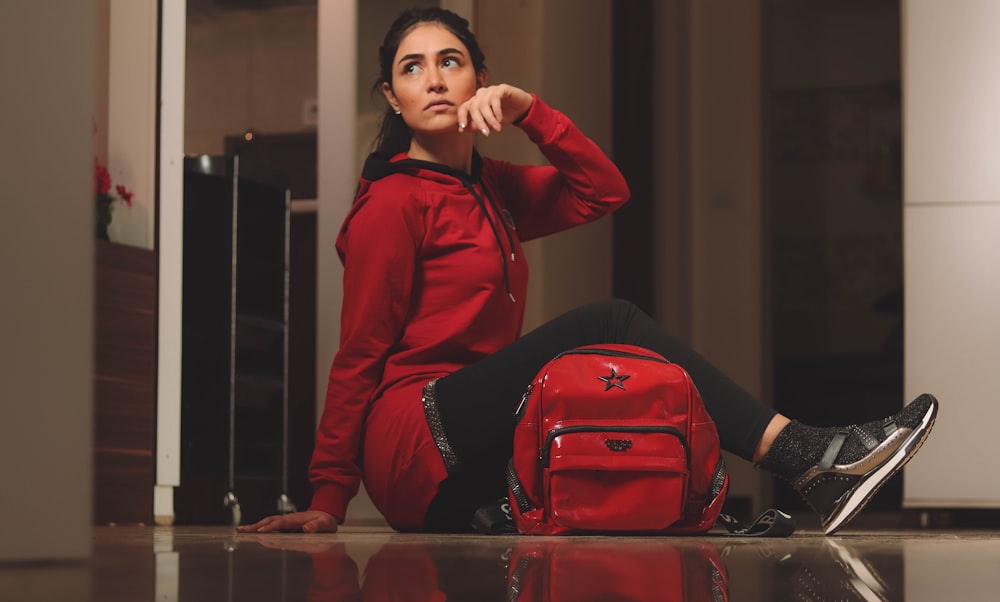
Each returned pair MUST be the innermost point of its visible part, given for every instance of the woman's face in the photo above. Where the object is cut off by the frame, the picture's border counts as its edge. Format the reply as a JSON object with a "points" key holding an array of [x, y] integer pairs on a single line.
{"points": [[432, 75]]}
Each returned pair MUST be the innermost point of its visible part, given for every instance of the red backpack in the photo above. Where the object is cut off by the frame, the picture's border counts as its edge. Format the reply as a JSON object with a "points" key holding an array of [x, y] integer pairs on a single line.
{"points": [[614, 439]]}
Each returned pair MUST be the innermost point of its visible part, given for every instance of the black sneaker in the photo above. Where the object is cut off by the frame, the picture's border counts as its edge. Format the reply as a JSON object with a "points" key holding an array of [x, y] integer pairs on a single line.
{"points": [[860, 459]]}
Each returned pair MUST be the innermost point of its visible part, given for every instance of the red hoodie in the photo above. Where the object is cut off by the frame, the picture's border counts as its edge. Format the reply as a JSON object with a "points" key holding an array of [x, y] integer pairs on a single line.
{"points": [[435, 279]]}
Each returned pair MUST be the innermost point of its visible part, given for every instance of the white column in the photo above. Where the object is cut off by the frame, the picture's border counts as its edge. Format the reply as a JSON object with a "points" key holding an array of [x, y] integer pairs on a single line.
{"points": [[171, 258], [951, 95]]}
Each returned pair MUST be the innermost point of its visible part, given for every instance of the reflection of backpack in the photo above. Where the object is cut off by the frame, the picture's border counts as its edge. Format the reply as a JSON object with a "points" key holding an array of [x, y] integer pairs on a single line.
{"points": [[614, 439], [545, 570]]}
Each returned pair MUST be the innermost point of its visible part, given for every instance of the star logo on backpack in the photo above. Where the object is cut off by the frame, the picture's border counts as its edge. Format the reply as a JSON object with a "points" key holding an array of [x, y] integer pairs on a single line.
{"points": [[614, 380]]}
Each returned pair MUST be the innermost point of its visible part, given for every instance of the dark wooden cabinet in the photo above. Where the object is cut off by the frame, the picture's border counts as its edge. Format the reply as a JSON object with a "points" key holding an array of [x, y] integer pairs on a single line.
{"points": [[125, 384], [234, 351]]}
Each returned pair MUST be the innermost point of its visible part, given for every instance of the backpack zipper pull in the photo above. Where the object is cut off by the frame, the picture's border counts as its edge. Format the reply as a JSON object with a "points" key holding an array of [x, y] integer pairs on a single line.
{"points": [[519, 412]]}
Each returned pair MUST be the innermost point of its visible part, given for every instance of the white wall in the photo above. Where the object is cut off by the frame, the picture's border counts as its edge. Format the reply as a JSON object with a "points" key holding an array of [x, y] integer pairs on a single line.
{"points": [[47, 262], [131, 117], [951, 95]]}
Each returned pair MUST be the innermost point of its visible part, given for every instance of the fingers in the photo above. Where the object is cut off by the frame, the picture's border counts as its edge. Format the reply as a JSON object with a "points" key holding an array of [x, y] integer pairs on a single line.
{"points": [[321, 524], [484, 112], [265, 525], [311, 526], [470, 114], [309, 521]]}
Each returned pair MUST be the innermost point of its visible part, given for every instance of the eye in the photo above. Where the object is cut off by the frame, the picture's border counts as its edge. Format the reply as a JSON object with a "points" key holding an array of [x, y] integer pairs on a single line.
{"points": [[411, 67], [449, 62]]}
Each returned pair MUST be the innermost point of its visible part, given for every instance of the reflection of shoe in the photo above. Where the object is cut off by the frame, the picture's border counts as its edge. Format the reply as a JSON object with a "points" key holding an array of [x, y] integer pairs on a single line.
{"points": [[859, 459], [846, 577]]}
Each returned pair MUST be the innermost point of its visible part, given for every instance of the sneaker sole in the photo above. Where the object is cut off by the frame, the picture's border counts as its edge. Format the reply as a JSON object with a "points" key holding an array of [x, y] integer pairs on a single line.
{"points": [[868, 487]]}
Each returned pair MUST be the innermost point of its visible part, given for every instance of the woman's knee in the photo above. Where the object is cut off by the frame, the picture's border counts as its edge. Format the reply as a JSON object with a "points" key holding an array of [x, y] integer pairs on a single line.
{"points": [[614, 307], [608, 320]]}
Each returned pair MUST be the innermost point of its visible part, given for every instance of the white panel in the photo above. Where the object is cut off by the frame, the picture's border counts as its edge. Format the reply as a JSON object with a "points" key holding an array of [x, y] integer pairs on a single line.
{"points": [[951, 95], [171, 258], [952, 284], [47, 276]]}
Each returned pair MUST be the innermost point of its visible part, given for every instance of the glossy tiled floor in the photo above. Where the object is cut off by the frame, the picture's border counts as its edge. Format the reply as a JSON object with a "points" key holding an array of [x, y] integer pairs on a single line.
{"points": [[215, 563]]}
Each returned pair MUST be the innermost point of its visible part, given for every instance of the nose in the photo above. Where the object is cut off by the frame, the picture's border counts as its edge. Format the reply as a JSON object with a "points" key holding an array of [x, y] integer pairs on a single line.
{"points": [[435, 83]]}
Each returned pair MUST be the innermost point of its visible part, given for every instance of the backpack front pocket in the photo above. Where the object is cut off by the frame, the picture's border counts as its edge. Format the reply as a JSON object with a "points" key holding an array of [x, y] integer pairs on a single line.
{"points": [[615, 477]]}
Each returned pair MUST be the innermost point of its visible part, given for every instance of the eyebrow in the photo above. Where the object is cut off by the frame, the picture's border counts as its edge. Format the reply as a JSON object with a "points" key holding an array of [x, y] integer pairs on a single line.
{"points": [[441, 52]]}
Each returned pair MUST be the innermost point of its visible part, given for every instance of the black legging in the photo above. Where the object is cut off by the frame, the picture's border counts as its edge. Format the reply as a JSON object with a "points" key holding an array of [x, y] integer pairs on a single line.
{"points": [[476, 403]]}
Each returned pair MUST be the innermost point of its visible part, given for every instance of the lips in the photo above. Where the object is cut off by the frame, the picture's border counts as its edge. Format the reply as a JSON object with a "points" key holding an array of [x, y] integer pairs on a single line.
{"points": [[438, 104]]}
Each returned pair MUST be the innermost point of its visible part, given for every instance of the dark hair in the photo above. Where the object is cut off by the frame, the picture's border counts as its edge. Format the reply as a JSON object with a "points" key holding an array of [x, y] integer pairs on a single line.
{"points": [[394, 136]]}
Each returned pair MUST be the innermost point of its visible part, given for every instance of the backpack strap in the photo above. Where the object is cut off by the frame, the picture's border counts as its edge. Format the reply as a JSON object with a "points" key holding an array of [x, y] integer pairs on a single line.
{"points": [[494, 519]]}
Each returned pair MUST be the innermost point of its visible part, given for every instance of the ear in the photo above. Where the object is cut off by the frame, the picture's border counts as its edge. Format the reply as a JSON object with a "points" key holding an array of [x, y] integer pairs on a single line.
{"points": [[387, 92], [481, 78]]}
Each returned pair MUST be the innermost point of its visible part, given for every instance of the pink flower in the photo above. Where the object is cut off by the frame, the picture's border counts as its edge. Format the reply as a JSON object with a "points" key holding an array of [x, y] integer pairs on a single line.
{"points": [[125, 194], [105, 197], [102, 179]]}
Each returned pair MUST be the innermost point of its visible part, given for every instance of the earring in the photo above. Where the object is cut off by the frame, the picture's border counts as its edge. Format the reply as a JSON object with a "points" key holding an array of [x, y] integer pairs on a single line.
{"points": [[397, 111]]}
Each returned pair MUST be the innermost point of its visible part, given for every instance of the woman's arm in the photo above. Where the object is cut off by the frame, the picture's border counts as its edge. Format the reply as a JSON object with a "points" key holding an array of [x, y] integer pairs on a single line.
{"points": [[580, 185], [378, 245]]}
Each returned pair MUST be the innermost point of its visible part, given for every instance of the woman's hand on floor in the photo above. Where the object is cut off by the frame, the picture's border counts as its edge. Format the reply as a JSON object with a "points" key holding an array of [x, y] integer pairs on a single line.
{"points": [[308, 521]]}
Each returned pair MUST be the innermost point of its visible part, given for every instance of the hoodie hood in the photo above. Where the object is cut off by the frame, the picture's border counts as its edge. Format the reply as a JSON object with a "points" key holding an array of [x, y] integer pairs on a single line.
{"points": [[379, 166]]}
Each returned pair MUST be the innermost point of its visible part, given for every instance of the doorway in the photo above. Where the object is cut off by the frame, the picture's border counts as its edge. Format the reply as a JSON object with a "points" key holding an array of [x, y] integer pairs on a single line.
{"points": [[833, 214]]}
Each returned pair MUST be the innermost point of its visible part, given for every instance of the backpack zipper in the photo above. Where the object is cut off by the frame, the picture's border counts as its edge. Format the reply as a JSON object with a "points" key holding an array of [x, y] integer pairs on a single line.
{"points": [[516, 489], [523, 405], [613, 353], [588, 428]]}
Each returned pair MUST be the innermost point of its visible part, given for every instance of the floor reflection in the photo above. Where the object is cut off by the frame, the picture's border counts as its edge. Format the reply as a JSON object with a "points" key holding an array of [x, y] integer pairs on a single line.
{"points": [[824, 569], [217, 564], [518, 569], [609, 570]]}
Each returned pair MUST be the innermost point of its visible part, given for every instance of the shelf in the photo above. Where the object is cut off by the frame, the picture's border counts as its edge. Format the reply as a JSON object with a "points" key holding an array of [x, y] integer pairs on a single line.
{"points": [[125, 376]]}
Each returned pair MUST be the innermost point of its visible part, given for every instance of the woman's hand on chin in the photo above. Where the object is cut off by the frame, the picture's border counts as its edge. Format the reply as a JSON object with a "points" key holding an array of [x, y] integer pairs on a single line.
{"points": [[308, 521], [491, 107]]}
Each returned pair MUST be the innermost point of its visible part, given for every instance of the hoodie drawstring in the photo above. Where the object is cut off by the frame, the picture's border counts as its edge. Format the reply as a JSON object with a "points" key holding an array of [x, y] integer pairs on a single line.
{"points": [[496, 234], [505, 217]]}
